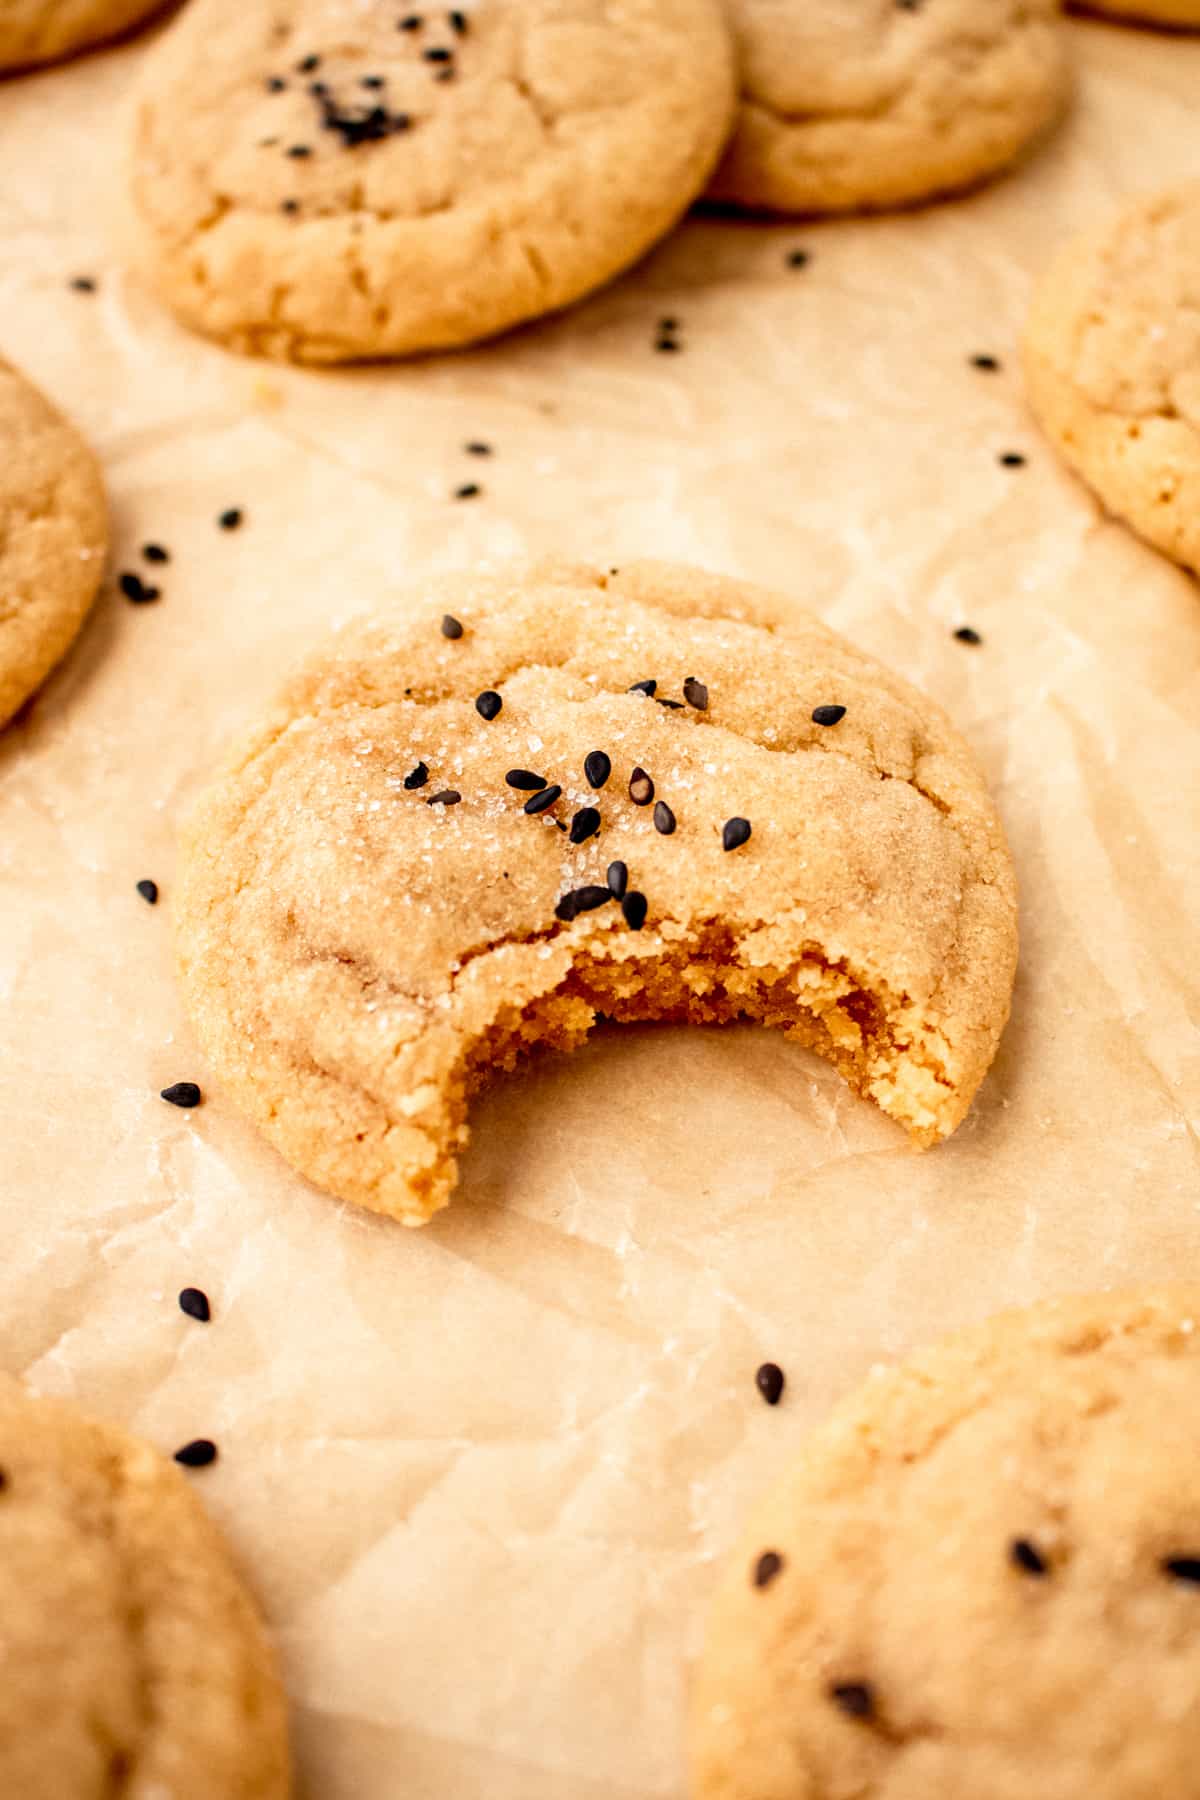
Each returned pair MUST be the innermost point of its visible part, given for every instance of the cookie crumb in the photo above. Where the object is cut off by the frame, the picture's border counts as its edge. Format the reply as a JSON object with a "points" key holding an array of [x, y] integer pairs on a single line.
{"points": [[181, 1093], [450, 626], [617, 876], [198, 1454], [769, 1380], [856, 1699], [1028, 1558], [597, 767], [641, 788], [828, 715], [149, 892], [585, 824], [194, 1302], [767, 1568], [734, 833], [488, 704], [634, 907], [664, 818], [540, 803], [525, 781]]}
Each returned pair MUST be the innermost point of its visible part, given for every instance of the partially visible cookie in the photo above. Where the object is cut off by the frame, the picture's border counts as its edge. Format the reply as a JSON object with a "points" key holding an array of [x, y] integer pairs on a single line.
{"points": [[1112, 366], [477, 822], [322, 182], [53, 537], [134, 1663], [40, 31], [853, 105], [980, 1581], [1184, 15]]}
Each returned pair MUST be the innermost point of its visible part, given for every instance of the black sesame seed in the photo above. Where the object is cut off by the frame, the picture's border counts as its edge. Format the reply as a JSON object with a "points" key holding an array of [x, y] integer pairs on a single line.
{"points": [[450, 626], [470, 490], [666, 346], [309, 63], [154, 553], [828, 715], [540, 803], [1182, 1568], [799, 259], [671, 705], [769, 1381], [618, 879], [735, 833], [664, 818], [668, 325], [597, 767], [298, 150], [581, 900], [437, 53], [458, 21], [136, 590], [767, 1568], [696, 694], [526, 781], [1013, 459], [855, 1698], [416, 778], [634, 907], [372, 81], [83, 284], [182, 1093], [488, 704], [412, 22], [446, 74], [319, 88], [289, 206], [149, 892], [1027, 1557], [643, 687], [444, 797], [641, 788], [3, 1481], [275, 84], [231, 518], [194, 1302], [989, 364], [198, 1454], [967, 634], [477, 448], [585, 824]]}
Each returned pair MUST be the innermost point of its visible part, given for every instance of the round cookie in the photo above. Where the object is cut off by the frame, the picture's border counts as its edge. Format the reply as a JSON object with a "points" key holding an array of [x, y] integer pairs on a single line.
{"points": [[373, 918], [1181, 15], [980, 1579], [1112, 366], [855, 105], [134, 1664], [310, 182], [53, 537], [40, 31]]}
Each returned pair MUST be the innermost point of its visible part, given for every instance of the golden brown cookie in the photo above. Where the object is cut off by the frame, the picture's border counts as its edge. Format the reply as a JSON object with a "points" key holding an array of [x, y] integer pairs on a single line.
{"points": [[980, 1581], [852, 105], [40, 31], [472, 825], [1112, 365], [315, 182], [53, 537], [134, 1663]]}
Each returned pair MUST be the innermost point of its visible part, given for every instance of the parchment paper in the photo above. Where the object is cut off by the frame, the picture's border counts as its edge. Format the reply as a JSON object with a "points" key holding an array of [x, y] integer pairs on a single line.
{"points": [[480, 1475]]}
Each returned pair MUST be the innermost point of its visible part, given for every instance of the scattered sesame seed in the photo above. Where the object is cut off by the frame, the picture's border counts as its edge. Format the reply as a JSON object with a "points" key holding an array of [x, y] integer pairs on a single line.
{"points": [[149, 892], [1183, 1568], [854, 1697], [154, 553], [618, 879], [3, 1481], [136, 590], [470, 490], [664, 818], [298, 150], [540, 803], [1027, 1557], [597, 767], [585, 824], [450, 626], [83, 284], [799, 259], [198, 1454], [416, 778], [289, 206], [767, 1568], [671, 705], [828, 715], [308, 64], [444, 797], [769, 1381], [668, 325], [643, 687], [458, 21], [275, 84], [667, 346], [581, 900], [634, 907], [696, 694], [734, 833], [526, 781], [967, 634], [641, 788], [1013, 459], [372, 81], [231, 518], [194, 1302], [477, 448], [989, 364], [412, 22], [181, 1093], [488, 704], [437, 53]]}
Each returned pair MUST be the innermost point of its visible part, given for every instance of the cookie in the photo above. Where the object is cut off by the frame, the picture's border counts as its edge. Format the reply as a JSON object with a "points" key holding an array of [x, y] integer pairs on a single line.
{"points": [[53, 537], [134, 1663], [981, 1578], [855, 105], [1112, 366], [1183, 15], [40, 31], [474, 823], [320, 182]]}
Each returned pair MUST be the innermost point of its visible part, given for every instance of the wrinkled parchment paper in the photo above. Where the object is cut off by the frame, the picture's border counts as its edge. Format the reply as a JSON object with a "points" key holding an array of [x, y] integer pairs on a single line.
{"points": [[480, 1475]]}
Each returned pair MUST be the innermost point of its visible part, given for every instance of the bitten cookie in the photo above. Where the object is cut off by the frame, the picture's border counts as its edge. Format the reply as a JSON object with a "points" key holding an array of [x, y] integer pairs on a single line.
{"points": [[852, 105], [53, 537], [39, 31], [134, 1664], [471, 826], [1112, 366], [982, 1578], [320, 180]]}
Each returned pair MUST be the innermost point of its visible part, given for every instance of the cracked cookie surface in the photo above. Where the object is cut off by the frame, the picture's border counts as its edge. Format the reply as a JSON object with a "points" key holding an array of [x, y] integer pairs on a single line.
{"points": [[851, 105], [313, 181], [134, 1664], [983, 1577], [373, 919], [40, 31], [53, 537], [1112, 366]]}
